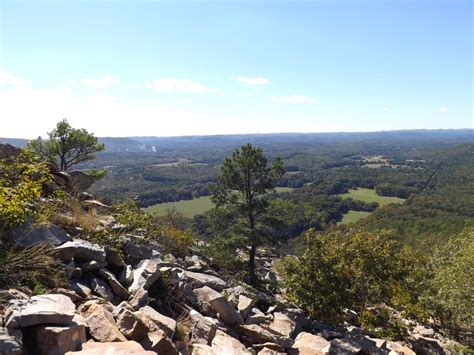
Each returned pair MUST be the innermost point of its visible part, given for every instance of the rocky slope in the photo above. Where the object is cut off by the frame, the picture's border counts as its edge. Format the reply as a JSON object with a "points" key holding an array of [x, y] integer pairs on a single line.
{"points": [[163, 304]]}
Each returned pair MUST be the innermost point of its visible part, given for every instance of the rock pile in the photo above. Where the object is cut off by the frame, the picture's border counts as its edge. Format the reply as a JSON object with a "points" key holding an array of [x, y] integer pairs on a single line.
{"points": [[112, 307]]}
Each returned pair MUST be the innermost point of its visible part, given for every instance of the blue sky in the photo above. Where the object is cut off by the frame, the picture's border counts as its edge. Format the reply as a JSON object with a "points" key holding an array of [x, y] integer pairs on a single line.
{"points": [[121, 68]]}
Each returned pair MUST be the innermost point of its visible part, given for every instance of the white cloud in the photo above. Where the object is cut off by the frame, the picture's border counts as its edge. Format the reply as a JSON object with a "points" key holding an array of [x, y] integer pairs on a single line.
{"points": [[252, 81], [100, 83], [134, 86], [7, 78], [182, 85], [443, 109], [295, 99], [386, 109]]}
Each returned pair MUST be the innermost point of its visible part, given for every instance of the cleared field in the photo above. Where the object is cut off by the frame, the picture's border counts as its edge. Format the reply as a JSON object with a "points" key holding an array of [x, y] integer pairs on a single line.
{"points": [[190, 208], [353, 216], [369, 195]]}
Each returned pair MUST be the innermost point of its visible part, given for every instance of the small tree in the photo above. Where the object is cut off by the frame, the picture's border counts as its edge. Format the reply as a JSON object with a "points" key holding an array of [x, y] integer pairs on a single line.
{"points": [[67, 146], [243, 188]]}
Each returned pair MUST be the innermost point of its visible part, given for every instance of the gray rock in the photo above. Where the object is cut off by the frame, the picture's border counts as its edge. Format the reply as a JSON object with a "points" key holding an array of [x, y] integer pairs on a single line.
{"points": [[308, 343], [79, 182], [44, 309], [129, 347], [225, 344], [135, 249], [166, 324], [204, 328], [91, 265], [8, 151], [344, 346], [117, 288], [130, 325], [102, 325], [259, 334], [101, 288], [11, 341], [245, 305], [219, 304], [54, 340], [282, 324], [28, 234], [80, 288], [199, 280], [81, 249], [139, 299], [126, 276], [144, 275]]}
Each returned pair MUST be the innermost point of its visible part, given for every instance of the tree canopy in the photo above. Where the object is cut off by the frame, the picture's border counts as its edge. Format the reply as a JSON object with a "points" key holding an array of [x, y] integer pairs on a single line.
{"points": [[67, 146]]}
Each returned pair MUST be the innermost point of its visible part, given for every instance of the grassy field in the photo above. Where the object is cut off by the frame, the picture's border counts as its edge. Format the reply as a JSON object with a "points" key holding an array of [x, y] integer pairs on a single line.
{"points": [[353, 216], [369, 195], [190, 208]]}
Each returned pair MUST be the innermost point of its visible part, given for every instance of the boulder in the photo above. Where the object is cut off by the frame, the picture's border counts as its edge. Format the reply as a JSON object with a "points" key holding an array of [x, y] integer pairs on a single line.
{"points": [[91, 265], [225, 344], [158, 342], [12, 294], [256, 316], [113, 258], [124, 348], [54, 340], [44, 309], [102, 325], [79, 182], [81, 249], [130, 325], [139, 299], [101, 288], [11, 342], [204, 328], [310, 344], [282, 324], [144, 275], [344, 346], [117, 288], [399, 349], [244, 305], [80, 288], [166, 324], [8, 151], [219, 304], [199, 280], [259, 334], [29, 234], [126, 276], [137, 250]]}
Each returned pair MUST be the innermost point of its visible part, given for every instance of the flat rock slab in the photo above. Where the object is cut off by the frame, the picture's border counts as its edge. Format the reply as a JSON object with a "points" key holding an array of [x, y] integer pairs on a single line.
{"points": [[166, 324], [310, 344], [199, 280], [27, 235], [44, 309], [102, 325], [259, 334], [124, 348], [81, 249], [225, 344], [117, 288], [144, 275], [58, 340]]}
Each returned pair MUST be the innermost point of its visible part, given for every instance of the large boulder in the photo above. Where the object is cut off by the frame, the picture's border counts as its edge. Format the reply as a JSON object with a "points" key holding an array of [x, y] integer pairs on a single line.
{"points": [[259, 334], [204, 328], [225, 344], [310, 344], [198, 279], [11, 342], [102, 325], [166, 324], [79, 182], [44, 309], [29, 234], [101, 288], [144, 275], [219, 304], [244, 305], [116, 287], [282, 324], [52, 340], [130, 325], [124, 348], [81, 249], [8, 151]]}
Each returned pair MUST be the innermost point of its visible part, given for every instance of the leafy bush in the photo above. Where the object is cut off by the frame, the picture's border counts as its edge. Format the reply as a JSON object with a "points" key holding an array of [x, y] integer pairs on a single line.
{"points": [[22, 180], [351, 269]]}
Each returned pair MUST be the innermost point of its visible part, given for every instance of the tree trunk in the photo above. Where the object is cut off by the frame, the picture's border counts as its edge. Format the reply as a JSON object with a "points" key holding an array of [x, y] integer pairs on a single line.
{"points": [[253, 251]]}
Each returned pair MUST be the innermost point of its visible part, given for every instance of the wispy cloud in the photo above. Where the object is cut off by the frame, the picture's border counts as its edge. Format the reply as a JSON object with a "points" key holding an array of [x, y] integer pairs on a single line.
{"points": [[295, 99], [252, 81], [100, 83], [182, 85], [443, 109], [7, 78], [386, 109], [134, 86]]}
